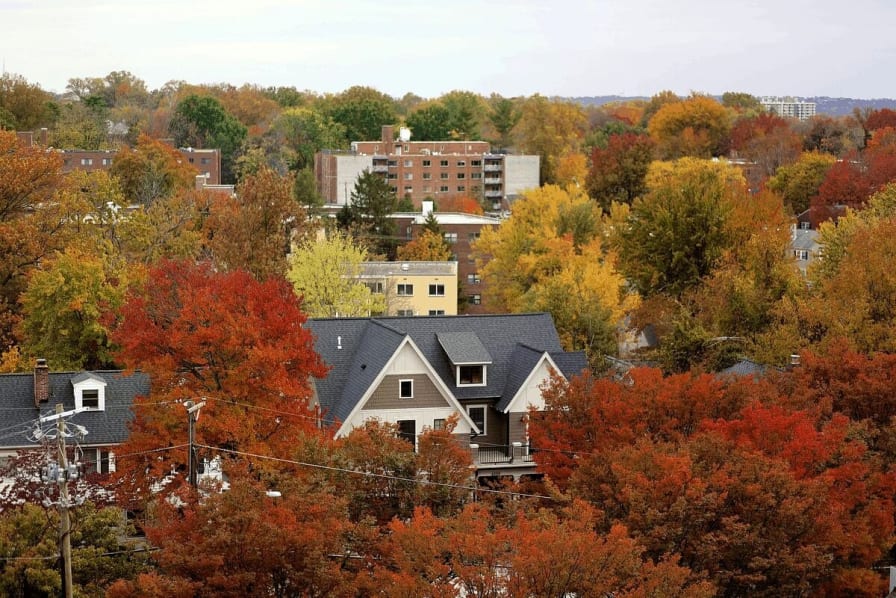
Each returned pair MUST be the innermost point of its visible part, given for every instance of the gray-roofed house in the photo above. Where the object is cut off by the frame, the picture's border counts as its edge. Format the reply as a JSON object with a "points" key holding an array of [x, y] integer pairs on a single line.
{"points": [[805, 247], [106, 396], [416, 372]]}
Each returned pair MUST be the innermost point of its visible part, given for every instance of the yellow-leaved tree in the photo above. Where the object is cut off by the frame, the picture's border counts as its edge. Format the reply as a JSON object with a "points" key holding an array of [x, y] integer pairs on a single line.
{"points": [[549, 256]]}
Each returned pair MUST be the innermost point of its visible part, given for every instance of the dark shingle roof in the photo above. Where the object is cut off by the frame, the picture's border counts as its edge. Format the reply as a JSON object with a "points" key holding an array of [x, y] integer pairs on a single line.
{"points": [[463, 348], [371, 342], [744, 367], [18, 414]]}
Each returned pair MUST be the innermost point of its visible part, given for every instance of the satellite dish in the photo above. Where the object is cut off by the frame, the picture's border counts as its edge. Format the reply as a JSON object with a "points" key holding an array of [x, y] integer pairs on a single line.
{"points": [[404, 134]]}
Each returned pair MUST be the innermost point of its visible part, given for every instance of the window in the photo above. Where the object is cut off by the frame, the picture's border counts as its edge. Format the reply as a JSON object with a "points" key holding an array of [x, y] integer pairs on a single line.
{"points": [[404, 313], [394, 189], [427, 176], [405, 389], [427, 188], [443, 189], [461, 175], [106, 161], [473, 278], [476, 299], [392, 175], [427, 163], [477, 414], [375, 287], [437, 312], [461, 188], [90, 398], [801, 254], [408, 163], [86, 161], [443, 163], [471, 375], [476, 175], [438, 424], [392, 163], [473, 236], [405, 290], [436, 290], [461, 163], [450, 238], [443, 175], [408, 189], [205, 161], [476, 163], [409, 176]]}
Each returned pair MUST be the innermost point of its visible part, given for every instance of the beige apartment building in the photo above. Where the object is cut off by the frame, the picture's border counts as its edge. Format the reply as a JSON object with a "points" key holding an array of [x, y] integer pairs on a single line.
{"points": [[414, 288], [424, 170]]}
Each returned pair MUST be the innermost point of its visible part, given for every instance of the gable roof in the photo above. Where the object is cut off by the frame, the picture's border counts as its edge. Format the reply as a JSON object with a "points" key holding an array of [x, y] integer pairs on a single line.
{"points": [[367, 344], [18, 414]]}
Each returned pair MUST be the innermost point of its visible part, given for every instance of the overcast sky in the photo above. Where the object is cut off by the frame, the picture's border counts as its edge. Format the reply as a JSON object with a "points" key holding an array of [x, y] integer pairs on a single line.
{"points": [[510, 47]]}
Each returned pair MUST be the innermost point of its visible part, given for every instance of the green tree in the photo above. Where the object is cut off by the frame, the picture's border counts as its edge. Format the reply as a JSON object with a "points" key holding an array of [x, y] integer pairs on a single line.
{"points": [[23, 106], [202, 122], [467, 111], [799, 182], [304, 132], [362, 111], [741, 102], [430, 122], [372, 202], [326, 275], [504, 117], [678, 231]]}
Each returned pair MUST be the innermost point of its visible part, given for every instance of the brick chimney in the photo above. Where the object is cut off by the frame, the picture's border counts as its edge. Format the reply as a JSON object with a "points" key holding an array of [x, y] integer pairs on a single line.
{"points": [[41, 382], [388, 138]]}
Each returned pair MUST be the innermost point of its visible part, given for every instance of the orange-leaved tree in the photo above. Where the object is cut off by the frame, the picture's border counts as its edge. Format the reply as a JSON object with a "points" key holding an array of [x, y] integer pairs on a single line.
{"points": [[227, 339]]}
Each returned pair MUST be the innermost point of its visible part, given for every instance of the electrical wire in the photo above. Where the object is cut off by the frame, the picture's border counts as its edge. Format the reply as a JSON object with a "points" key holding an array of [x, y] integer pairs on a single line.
{"points": [[376, 475]]}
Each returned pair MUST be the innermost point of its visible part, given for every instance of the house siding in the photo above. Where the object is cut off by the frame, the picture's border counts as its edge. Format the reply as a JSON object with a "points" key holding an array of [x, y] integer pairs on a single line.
{"points": [[517, 427], [426, 395]]}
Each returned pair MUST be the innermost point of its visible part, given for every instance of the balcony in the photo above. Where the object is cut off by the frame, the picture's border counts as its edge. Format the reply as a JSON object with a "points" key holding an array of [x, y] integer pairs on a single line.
{"points": [[492, 168], [380, 168], [492, 181], [516, 454], [494, 193]]}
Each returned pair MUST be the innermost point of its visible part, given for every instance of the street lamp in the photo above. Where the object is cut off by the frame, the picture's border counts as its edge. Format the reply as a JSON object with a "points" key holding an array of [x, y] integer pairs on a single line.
{"points": [[193, 417]]}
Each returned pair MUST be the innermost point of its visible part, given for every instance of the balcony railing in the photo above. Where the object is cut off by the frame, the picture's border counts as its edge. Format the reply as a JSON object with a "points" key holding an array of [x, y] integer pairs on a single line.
{"points": [[493, 193], [492, 168], [516, 453], [492, 181]]}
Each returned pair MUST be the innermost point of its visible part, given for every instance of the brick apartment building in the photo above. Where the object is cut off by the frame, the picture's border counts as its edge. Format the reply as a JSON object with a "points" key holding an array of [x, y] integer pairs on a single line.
{"points": [[460, 231], [206, 161], [426, 170]]}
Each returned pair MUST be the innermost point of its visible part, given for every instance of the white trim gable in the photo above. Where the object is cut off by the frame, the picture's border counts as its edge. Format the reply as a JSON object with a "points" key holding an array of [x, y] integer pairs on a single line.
{"points": [[92, 384], [406, 360], [529, 393]]}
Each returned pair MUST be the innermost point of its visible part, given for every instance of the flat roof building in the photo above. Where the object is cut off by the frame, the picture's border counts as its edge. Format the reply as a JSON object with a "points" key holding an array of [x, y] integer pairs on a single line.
{"points": [[789, 107]]}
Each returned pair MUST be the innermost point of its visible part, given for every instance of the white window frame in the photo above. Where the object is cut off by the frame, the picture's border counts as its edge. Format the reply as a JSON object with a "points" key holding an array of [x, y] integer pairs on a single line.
{"points": [[469, 365], [401, 383], [484, 429]]}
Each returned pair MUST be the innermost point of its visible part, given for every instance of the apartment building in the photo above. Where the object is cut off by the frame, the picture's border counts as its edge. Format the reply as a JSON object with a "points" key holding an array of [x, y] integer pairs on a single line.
{"points": [[789, 107], [414, 288], [460, 231], [424, 170]]}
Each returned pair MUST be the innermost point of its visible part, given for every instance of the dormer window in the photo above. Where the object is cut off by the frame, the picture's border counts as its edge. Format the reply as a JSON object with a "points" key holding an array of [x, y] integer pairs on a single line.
{"points": [[90, 391], [468, 356]]}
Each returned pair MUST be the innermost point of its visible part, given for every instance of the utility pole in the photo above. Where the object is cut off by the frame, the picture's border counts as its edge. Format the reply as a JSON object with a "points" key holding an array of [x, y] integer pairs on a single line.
{"points": [[65, 528], [193, 415]]}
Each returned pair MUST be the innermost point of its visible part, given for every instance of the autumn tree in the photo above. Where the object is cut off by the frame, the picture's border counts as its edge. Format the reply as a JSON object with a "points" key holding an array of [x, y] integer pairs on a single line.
{"points": [[657, 101], [225, 338], [325, 273], [426, 247], [24, 106], [548, 256], [63, 307], [463, 204], [697, 126], [550, 129], [766, 140], [618, 171], [678, 230], [152, 170], [302, 132], [254, 229]]}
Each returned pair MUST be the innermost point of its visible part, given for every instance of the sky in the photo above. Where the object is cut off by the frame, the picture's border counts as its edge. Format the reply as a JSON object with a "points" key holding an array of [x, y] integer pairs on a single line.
{"points": [[509, 47]]}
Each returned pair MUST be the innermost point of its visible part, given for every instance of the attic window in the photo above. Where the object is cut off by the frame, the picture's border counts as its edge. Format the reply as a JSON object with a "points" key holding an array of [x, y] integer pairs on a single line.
{"points": [[471, 375], [406, 389], [90, 398]]}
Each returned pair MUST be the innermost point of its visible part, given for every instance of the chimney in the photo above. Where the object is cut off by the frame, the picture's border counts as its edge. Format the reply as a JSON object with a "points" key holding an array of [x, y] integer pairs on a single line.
{"points": [[201, 181], [794, 362], [43, 136], [388, 140], [41, 382]]}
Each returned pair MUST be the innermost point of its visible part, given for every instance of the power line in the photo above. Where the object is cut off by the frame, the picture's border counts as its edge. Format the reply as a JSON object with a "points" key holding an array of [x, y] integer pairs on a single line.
{"points": [[377, 475]]}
